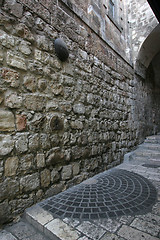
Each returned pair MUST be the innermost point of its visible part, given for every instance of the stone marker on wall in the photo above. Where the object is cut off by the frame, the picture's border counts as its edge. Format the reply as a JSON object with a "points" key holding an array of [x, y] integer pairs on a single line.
{"points": [[61, 49]]}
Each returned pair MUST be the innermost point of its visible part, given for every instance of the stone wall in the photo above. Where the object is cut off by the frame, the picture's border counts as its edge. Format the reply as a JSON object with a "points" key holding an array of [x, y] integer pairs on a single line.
{"points": [[142, 22], [59, 122]]}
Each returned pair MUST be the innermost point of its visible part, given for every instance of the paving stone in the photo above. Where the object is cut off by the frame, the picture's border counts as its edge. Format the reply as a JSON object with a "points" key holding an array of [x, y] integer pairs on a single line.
{"points": [[152, 218], [131, 233], [111, 236], [145, 226], [61, 230], [37, 236], [22, 230], [125, 219], [4, 235], [109, 224], [71, 222], [90, 230], [38, 216], [156, 209]]}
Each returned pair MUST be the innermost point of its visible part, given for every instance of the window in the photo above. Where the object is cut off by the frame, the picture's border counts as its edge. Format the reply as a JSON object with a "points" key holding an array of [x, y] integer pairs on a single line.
{"points": [[111, 10]]}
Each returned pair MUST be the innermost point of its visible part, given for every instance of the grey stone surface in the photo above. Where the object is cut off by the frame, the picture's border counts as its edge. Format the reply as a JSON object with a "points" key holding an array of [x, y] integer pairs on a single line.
{"points": [[58, 228], [128, 232], [138, 227], [146, 226], [90, 230], [91, 107], [6, 144], [30, 182], [4, 235]]}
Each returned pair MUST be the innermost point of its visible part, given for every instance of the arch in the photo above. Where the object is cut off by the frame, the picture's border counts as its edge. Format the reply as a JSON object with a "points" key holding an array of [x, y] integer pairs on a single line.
{"points": [[149, 48]]}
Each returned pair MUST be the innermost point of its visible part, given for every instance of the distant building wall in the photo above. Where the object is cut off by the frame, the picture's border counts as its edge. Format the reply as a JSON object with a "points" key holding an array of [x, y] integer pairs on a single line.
{"points": [[142, 22]]}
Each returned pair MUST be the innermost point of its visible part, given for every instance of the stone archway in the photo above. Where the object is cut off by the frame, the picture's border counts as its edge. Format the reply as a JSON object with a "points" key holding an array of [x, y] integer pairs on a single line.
{"points": [[147, 77], [149, 48]]}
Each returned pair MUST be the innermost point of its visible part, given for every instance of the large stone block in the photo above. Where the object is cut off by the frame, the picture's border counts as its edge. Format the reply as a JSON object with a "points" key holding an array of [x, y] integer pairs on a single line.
{"points": [[79, 108], [15, 8], [5, 212], [12, 100], [29, 182], [40, 160], [21, 122], [11, 77], [16, 61], [45, 178], [6, 121], [23, 31], [34, 102], [66, 172], [30, 83], [26, 163], [33, 142], [6, 144], [21, 142], [11, 166], [9, 188]]}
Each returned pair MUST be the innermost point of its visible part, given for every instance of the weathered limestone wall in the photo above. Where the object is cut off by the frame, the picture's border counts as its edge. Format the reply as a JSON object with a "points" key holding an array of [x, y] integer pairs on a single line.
{"points": [[59, 122], [142, 21]]}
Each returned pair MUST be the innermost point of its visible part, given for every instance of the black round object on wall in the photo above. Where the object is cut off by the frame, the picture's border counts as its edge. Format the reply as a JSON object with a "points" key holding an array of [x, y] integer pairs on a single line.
{"points": [[61, 49]]}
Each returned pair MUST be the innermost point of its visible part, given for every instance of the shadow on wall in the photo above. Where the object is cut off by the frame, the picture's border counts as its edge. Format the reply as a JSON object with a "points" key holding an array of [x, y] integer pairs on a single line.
{"points": [[147, 71]]}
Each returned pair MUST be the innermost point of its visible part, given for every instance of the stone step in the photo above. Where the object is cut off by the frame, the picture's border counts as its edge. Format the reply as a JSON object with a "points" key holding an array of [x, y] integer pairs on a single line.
{"points": [[150, 146], [147, 153], [153, 139], [144, 159], [21, 230], [53, 228]]}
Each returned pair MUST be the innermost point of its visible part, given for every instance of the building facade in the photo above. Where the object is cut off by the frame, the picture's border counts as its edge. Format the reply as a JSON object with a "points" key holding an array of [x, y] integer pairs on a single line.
{"points": [[62, 122]]}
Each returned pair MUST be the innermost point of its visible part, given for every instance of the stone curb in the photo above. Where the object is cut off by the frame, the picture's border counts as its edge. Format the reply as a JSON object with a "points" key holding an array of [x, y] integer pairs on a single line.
{"points": [[55, 229]]}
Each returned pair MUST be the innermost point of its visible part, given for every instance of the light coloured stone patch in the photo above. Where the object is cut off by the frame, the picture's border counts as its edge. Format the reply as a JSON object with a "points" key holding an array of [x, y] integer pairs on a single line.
{"points": [[152, 218], [45, 177], [71, 222], [11, 166], [156, 209], [126, 219], [79, 108], [38, 216], [6, 121], [12, 100], [40, 160], [66, 172], [34, 102], [61, 230], [25, 48], [30, 182], [6, 144], [131, 233], [10, 76], [16, 61], [90, 230], [4, 235], [145, 226], [22, 142], [110, 225]]}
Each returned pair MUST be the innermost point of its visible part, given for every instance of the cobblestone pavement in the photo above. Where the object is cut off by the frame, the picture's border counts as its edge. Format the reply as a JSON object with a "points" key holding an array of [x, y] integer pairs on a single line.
{"points": [[120, 204]]}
